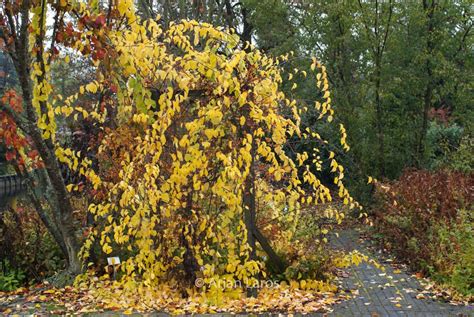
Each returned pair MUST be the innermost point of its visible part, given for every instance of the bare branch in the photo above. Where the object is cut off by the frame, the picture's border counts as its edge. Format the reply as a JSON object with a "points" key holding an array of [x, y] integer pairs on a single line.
{"points": [[387, 28]]}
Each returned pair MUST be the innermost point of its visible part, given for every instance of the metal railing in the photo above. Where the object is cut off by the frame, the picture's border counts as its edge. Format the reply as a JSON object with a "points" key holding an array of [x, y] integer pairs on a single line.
{"points": [[11, 185]]}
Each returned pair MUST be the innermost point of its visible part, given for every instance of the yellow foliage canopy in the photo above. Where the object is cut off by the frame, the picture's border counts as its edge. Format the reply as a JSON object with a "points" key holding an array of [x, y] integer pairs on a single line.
{"points": [[209, 115]]}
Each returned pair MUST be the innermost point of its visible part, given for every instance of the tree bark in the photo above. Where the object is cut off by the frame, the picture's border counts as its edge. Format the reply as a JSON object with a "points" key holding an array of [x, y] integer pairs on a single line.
{"points": [[249, 203], [379, 118], [379, 42], [278, 264], [190, 263], [247, 28], [250, 212], [58, 196], [420, 150], [48, 223]]}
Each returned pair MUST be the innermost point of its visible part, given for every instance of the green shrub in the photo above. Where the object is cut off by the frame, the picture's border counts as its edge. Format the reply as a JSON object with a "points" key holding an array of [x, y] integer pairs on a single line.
{"points": [[442, 140], [463, 160], [10, 279], [27, 246], [453, 252]]}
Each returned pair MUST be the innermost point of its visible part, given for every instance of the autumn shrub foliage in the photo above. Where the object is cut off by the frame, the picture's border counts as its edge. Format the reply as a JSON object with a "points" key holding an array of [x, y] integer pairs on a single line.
{"points": [[427, 219], [18, 147], [208, 159], [197, 178], [27, 248], [193, 175]]}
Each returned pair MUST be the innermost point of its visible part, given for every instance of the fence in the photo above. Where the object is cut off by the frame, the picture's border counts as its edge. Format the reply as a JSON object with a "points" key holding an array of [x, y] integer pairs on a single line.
{"points": [[10, 186]]}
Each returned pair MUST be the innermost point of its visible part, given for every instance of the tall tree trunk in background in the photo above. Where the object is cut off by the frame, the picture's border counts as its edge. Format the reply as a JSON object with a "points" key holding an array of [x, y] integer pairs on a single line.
{"points": [[229, 14], [377, 34], [247, 26], [145, 9], [379, 117], [427, 104]]}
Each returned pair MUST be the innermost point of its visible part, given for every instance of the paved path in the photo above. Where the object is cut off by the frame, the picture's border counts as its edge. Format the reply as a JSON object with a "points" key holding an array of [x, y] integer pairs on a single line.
{"points": [[389, 293]]}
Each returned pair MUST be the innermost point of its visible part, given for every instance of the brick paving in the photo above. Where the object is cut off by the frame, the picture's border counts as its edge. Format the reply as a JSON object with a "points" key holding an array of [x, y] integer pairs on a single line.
{"points": [[389, 293]]}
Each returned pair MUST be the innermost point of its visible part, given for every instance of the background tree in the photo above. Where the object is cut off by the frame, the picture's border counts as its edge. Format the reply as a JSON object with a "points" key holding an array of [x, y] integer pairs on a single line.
{"points": [[34, 119]]}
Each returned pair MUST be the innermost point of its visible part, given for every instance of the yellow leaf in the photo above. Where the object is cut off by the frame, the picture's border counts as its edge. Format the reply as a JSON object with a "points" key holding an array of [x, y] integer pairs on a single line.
{"points": [[92, 87], [213, 60], [165, 197]]}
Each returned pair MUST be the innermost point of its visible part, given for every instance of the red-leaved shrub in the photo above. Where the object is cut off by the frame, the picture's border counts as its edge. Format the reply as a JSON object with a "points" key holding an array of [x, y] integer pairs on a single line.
{"points": [[423, 213]]}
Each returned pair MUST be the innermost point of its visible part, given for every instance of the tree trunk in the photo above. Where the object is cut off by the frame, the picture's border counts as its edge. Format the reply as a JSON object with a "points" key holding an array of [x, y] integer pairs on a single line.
{"points": [[58, 195], [60, 203], [379, 118], [420, 149], [249, 213], [247, 28], [276, 262], [48, 223], [190, 263]]}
